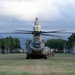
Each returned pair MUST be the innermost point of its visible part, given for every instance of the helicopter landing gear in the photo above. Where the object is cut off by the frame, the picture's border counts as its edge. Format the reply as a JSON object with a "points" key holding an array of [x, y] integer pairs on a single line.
{"points": [[45, 57], [27, 57]]}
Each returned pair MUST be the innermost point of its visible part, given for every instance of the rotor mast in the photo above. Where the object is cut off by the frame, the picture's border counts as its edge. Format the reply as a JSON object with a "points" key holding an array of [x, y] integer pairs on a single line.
{"points": [[37, 29], [37, 26]]}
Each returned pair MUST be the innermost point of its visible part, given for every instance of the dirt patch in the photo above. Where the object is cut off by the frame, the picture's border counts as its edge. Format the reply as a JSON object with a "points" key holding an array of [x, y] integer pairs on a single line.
{"points": [[34, 69]]}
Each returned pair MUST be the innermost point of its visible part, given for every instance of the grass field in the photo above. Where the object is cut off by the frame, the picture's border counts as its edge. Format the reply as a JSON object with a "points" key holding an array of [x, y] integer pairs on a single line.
{"points": [[16, 64]]}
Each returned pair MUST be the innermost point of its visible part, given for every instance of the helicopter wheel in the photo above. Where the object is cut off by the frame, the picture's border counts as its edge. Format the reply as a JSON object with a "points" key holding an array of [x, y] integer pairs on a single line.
{"points": [[45, 57]]}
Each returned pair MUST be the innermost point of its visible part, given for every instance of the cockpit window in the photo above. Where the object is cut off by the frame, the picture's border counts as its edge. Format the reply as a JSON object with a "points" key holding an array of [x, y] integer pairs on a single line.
{"points": [[36, 45]]}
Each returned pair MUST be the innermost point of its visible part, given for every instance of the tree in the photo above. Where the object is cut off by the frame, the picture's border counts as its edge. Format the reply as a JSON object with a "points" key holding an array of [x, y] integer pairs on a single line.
{"points": [[71, 41], [56, 44], [17, 43], [9, 43], [0, 46]]}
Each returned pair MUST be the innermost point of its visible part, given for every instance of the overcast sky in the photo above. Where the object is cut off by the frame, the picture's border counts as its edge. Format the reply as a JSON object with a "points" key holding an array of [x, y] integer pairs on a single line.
{"points": [[53, 14]]}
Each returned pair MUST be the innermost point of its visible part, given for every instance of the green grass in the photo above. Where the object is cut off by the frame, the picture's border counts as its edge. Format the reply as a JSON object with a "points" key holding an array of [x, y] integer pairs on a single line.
{"points": [[16, 64]]}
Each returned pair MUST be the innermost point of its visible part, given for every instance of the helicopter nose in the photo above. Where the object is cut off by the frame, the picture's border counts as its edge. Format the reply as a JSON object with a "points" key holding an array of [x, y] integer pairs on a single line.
{"points": [[37, 45]]}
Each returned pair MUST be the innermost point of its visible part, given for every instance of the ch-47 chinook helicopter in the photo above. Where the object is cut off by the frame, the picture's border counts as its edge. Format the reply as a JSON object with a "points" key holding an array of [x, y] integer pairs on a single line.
{"points": [[37, 47]]}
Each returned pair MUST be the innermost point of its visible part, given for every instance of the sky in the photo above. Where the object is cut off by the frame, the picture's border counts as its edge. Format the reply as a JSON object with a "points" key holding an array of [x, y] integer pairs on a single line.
{"points": [[21, 14]]}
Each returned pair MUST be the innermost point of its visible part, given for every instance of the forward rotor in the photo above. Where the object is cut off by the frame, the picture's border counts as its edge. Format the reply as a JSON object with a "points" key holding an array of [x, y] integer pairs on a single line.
{"points": [[37, 33]]}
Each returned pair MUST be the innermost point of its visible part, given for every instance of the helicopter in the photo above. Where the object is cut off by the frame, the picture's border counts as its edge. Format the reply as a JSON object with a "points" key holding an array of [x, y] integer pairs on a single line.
{"points": [[37, 48]]}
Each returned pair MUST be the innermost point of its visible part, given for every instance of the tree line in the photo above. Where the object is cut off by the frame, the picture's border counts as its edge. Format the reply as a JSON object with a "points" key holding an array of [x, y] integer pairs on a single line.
{"points": [[8, 44], [59, 44]]}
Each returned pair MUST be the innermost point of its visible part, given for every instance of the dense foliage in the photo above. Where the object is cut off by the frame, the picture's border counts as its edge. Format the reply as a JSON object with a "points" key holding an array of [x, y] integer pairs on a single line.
{"points": [[71, 41], [56, 44], [60, 43], [8, 44]]}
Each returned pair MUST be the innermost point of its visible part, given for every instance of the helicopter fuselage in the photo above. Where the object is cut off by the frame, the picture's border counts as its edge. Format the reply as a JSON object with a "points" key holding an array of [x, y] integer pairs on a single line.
{"points": [[36, 48]]}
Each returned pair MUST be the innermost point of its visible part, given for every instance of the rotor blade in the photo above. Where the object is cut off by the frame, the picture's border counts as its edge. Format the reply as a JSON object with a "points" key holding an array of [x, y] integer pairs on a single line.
{"points": [[59, 31], [24, 30], [51, 35], [54, 31], [14, 33]]}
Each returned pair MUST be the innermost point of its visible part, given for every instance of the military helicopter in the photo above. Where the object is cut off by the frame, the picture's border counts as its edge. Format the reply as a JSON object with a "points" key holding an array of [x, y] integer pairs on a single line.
{"points": [[37, 47]]}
